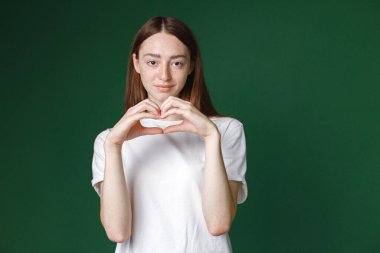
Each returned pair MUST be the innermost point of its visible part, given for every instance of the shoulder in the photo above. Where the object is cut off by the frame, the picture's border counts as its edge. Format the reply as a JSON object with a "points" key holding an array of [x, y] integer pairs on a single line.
{"points": [[227, 124], [101, 137]]}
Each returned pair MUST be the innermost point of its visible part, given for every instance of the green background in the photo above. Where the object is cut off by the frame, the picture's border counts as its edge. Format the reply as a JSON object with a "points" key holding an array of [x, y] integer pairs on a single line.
{"points": [[303, 77]]}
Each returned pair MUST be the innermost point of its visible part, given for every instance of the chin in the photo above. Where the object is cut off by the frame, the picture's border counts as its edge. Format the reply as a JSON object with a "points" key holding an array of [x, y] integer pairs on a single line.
{"points": [[162, 97]]}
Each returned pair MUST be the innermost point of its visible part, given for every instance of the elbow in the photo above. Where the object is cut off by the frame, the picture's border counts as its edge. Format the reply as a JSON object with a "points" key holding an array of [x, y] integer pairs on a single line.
{"points": [[117, 234], [119, 237], [220, 225], [117, 231], [219, 228]]}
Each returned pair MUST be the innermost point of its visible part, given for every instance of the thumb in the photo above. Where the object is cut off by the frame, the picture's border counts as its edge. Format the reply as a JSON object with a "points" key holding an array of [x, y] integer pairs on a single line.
{"points": [[151, 130], [175, 128]]}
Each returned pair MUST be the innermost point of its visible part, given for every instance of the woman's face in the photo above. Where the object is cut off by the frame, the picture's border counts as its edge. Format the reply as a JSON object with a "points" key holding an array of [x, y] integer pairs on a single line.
{"points": [[164, 64]]}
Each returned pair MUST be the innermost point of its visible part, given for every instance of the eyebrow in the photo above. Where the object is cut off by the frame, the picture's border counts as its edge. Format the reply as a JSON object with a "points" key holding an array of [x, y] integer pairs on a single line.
{"points": [[171, 57]]}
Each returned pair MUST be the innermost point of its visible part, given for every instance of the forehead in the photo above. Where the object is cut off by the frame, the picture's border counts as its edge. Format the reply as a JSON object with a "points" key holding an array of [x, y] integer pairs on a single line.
{"points": [[163, 44]]}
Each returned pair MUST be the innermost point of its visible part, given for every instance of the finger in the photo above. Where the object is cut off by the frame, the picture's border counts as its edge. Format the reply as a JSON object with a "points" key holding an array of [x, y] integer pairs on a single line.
{"points": [[173, 111], [166, 101], [150, 103], [151, 130], [169, 100], [145, 106], [175, 128], [128, 122], [175, 103], [144, 115], [153, 103]]}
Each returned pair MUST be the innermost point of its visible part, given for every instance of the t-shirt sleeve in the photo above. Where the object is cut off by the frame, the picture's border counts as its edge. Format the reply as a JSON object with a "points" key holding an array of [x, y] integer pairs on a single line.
{"points": [[234, 156], [98, 161]]}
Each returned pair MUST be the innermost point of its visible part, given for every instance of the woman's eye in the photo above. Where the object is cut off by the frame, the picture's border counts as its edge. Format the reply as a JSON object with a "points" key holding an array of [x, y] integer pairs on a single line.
{"points": [[152, 63], [178, 64]]}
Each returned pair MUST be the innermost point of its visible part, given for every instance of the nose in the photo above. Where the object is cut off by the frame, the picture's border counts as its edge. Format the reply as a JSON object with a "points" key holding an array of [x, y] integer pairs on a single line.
{"points": [[165, 72]]}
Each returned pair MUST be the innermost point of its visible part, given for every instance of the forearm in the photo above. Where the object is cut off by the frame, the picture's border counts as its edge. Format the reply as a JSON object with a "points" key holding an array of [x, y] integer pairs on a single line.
{"points": [[116, 212], [218, 205]]}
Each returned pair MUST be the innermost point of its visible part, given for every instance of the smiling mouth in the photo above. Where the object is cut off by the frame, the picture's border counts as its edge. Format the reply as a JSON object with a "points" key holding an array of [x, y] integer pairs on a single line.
{"points": [[164, 88]]}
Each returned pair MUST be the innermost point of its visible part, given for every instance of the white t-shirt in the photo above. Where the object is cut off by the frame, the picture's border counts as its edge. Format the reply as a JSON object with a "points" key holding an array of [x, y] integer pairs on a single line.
{"points": [[164, 179]]}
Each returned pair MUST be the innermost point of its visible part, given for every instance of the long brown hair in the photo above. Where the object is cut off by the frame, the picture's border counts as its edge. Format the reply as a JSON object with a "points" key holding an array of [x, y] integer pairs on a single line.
{"points": [[195, 89]]}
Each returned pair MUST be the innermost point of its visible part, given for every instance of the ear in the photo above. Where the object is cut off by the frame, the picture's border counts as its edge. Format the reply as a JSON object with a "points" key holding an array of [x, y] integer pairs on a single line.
{"points": [[136, 63]]}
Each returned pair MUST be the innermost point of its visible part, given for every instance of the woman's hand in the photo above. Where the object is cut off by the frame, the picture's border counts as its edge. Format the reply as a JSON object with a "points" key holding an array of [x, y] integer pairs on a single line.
{"points": [[193, 120], [129, 126]]}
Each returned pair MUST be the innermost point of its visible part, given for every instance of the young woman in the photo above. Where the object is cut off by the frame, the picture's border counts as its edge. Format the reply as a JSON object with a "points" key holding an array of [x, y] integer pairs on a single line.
{"points": [[171, 171]]}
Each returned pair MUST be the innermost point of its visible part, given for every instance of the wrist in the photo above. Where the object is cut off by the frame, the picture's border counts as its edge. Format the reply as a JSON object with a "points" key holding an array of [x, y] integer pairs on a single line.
{"points": [[213, 135], [110, 146]]}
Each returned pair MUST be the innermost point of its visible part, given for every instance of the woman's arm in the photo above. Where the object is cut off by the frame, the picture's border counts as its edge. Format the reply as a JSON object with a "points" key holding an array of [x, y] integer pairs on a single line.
{"points": [[115, 204], [218, 195]]}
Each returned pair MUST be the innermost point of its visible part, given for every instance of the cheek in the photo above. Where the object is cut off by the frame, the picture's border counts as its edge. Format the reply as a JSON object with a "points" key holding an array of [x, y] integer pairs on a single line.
{"points": [[146, 74], [181, 76], [145, 81]]}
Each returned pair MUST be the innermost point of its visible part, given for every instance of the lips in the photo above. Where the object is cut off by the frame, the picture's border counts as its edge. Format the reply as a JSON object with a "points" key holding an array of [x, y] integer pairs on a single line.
{"points": [[164, 88]]}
